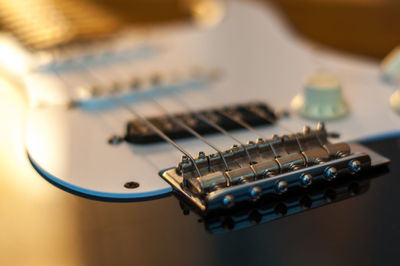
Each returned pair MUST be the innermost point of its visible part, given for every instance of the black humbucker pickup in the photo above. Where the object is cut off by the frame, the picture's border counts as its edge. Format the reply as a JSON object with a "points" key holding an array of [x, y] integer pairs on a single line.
{"points": [[253, 114]]}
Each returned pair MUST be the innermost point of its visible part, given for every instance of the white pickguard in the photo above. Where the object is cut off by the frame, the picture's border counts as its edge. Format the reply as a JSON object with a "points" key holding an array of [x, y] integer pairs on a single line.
{"points": [[260, 59]]}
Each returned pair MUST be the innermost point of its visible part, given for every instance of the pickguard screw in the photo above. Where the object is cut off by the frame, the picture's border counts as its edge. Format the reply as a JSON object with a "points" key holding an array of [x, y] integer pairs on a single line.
{"points": [[131, 185]]}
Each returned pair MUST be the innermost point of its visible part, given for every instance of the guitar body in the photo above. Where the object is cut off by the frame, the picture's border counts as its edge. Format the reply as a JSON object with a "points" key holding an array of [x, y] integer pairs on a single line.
{"points": [[257, 58]]}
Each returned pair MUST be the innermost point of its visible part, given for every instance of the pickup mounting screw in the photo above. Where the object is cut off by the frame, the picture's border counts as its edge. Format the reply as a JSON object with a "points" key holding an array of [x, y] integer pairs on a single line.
{"points": [[355, 166], [281, 187], [306, 179], [330, 173], [228, 201], [255, 192]]}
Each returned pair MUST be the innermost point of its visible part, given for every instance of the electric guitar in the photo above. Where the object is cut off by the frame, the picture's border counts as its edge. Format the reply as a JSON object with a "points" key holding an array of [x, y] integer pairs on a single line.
{"points": [[122, 119]]}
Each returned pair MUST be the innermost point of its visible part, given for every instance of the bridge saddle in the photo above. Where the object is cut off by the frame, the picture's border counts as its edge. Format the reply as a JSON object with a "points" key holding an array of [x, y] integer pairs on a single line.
{"points": [[276, 165]]}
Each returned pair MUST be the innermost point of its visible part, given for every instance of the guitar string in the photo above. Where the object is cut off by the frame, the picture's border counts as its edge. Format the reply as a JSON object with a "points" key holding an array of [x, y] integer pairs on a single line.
{"points": [[192, 131], [148, 124], [242, 123], [271, 120], [216, 126], [177, 121], [250, 128]]}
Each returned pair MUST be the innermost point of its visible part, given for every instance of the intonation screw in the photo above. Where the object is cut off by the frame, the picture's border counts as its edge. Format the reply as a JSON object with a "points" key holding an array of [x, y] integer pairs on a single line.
{"points": [[306, 179], [330, 173], [266, 173], [340, 154], [228, 201], [281, 187], [255, 192], [185, 159], [234, 147], [355, 166]]}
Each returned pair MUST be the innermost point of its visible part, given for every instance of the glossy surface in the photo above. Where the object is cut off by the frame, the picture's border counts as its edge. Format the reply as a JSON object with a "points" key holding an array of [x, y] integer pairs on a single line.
{"points": [[42, 225]]}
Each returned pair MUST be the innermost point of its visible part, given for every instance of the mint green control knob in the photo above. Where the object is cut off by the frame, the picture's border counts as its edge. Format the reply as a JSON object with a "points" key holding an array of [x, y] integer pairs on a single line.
{"points": [[322, 98]]}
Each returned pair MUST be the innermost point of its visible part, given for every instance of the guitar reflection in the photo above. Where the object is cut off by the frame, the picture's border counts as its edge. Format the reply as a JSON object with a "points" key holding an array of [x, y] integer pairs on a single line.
{"points": [[273, 207]]}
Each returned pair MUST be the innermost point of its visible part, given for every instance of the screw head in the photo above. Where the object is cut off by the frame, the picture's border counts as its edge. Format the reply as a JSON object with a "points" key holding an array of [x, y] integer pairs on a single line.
{"points": [[281, 186], [228, 201], [255, 192], [330, 173], [115, 140], [306, 179], [355, 166], [266, 173]]}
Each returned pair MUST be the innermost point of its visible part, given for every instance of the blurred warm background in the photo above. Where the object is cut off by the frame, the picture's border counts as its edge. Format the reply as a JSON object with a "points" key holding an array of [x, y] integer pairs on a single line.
{"points": [[367, 27]]}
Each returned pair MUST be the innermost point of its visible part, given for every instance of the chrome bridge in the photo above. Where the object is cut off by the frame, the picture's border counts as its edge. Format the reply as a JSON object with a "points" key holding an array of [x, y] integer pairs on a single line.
{"points": [[277, 165]]}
